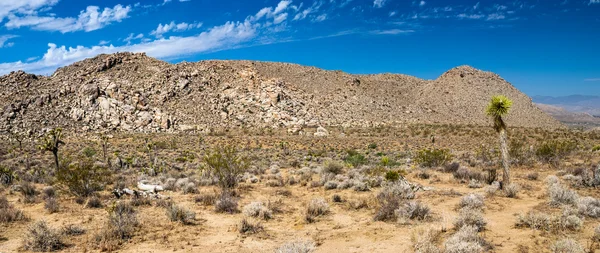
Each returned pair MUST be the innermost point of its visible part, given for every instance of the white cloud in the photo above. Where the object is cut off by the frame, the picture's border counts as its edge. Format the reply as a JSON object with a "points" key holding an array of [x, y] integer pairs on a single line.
{"points": [[308, 11], [4, 40], [476, 6], [379, 3], [320, 18], [422, 3], [495, 16], [133, 37], [103, 42], [226, 36], [174, 27], [92, 18], [393, 13], [594, 2], [470, 16], [391, 32], [26, 7]]}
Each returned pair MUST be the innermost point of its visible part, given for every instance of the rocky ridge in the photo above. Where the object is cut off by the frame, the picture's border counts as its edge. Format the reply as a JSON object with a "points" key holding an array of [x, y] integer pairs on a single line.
{"points": [[134, 92]]}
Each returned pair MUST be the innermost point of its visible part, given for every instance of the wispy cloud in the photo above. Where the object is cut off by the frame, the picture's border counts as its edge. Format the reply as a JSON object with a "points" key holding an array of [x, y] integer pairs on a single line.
{"points": [[392, 32], [92, 18], [379, 3], [180, 27], [592, 79], [594, 2], [4, 40]]}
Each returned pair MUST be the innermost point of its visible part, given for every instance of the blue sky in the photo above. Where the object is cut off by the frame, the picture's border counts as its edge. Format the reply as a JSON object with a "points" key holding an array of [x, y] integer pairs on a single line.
{"points": [[543, 47]]}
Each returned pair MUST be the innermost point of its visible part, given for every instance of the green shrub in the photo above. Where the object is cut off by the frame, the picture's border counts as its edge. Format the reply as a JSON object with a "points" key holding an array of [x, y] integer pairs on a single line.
{"points": [[392, 175], [372, 146], [596, 148], [354, 158], [333, 167], [89, 152], [227, 165], [553, 151], [433, 157], [83, 178], [7, 175]]}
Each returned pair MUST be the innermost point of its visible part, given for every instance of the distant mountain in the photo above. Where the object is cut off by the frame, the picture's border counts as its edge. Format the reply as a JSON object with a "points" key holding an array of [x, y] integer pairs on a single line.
{"points": [[573, 103], [569, 118]]}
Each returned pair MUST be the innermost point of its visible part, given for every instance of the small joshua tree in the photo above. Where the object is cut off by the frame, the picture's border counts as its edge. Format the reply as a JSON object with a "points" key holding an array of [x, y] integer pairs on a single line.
{"points": [[51, 142], [498, 108]]}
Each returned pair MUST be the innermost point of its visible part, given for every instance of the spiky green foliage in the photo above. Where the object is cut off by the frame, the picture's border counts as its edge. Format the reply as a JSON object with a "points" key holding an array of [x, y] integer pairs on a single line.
{"points": [[498, 107]]}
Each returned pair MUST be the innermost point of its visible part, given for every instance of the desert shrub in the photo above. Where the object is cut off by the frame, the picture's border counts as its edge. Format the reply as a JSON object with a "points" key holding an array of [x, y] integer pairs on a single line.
{"points": [[512, 190], [121, 226], [360, 186], [533, 176], [451, 167], [84, 178], [297, 247], [567, 246], [207, 199], [52, 205], [337, 198], [472, 201], [73, 230], [333, 167], [589, 206], [94, 202], [559, 195], [88, 152], [425, 242], [423, 174], [392, 176], [227, 164], [7, 175], [259, 210], [354, 158], [140, 201], [181, 214], [48, 192], [551, 180], [190, 188], [596, 148], [474, 183], [465, 240], [329, 185], [491, 189], [9, 213], [546, 222], [29, 192], [400, 189], [554, 150], [164, 203], [433, 157], [247, 227], [316, 207], [518, 152], [226, 203], [41, 237], [413, 210], [470, 217]]}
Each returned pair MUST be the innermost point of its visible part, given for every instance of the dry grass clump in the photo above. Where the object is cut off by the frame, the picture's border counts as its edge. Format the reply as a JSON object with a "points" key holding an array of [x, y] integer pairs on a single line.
{"points": [[472, 201], [29, 192], [73, 230], [206, 199], [491, 190], [259, 210], [466, 240], [48, 192], [297, 247], [589, 206], [426, 241], [512, 190], [550, 223], [40, 237], [52, 205], [8, 213], [181, 214], [121, 226], [413, 210], [567, 246], [226, 203], [247, 227], [560, 195], [94, 202], [333, 167], [533, 176], [470, 217], [390, 198], [316, 207]]}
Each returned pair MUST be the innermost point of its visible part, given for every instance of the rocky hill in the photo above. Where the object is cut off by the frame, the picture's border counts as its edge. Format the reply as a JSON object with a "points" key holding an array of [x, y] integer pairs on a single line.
{"points": [[133, 92]]}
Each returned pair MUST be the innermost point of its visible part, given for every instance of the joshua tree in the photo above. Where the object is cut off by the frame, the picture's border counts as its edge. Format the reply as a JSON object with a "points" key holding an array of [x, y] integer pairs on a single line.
{"points": [[51, 142], [498, 108]]}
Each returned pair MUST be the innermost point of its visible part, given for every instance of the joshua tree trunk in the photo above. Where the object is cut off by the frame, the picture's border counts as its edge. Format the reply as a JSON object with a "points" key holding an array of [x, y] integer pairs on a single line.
{"points": [[55, 153], [505, 160]]}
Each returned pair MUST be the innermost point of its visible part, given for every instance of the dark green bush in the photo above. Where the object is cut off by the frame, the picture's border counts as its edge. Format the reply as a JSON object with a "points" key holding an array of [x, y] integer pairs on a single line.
{"points": [[392, 175], [433, 157], [553, 151], [354, 158]]}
